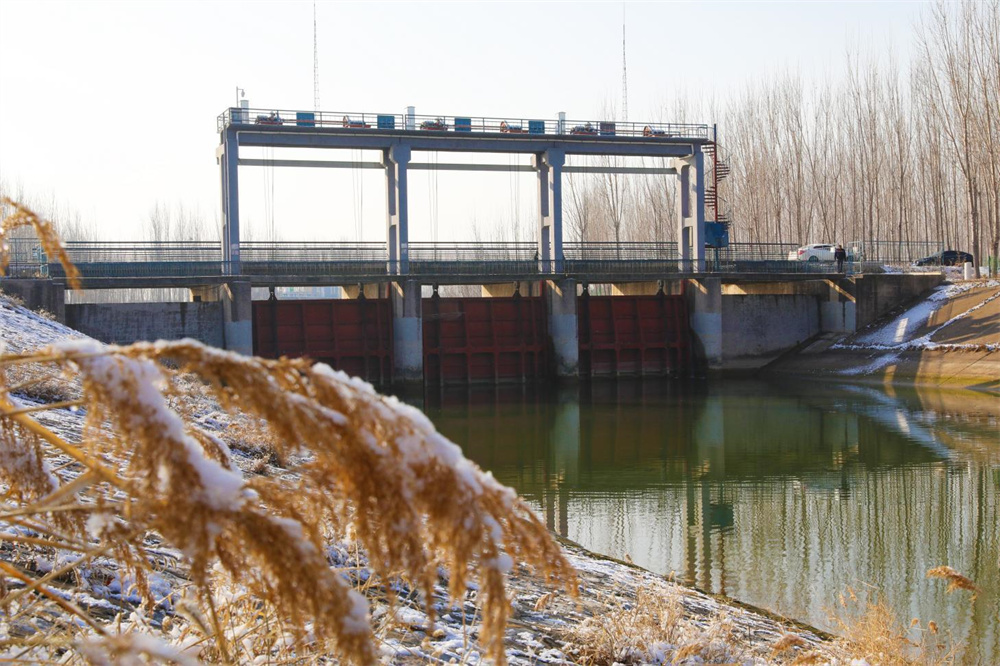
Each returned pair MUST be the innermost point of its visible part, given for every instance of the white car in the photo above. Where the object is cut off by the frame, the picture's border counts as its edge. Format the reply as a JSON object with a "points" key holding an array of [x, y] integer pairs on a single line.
{"points": [[814, 252]]}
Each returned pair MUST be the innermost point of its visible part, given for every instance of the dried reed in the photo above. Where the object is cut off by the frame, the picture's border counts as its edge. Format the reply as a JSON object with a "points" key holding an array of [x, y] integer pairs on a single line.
{"points": [[146, 476], [956, 581], [870, 630], [51, 243], [652, 627]]}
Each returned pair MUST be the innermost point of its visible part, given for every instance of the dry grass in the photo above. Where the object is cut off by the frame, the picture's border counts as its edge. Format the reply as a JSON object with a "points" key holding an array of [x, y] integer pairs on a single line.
{"points": [[146, 477], [869, 630], [653, 627]]}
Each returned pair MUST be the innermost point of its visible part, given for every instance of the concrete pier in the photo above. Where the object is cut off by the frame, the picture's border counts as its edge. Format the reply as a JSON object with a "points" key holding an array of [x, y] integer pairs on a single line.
{"points": [[407, 331], [561, 307], [237, 317], [704, 296]]}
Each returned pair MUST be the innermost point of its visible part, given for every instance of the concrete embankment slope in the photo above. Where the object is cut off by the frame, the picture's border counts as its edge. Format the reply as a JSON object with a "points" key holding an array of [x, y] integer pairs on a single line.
{"points": [[950, 338]]}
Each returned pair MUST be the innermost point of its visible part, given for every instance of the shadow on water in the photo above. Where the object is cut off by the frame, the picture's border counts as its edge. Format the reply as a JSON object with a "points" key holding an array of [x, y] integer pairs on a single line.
{"points": [[778, 495]]}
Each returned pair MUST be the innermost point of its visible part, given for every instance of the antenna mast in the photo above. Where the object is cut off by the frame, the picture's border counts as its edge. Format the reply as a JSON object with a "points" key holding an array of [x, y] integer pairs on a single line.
{"points": [[315, 64], [624, 70]]}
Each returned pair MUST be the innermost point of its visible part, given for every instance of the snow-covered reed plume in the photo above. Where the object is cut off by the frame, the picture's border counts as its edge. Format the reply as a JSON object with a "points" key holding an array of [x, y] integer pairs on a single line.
{"points": [[145, 479]]}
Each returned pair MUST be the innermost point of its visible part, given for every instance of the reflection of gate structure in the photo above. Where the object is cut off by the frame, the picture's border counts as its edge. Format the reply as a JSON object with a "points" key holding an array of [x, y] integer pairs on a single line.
{"points": [[398, 137]]}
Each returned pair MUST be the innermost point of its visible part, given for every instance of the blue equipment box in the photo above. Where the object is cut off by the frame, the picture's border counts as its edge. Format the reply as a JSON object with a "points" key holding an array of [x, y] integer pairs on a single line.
{"points": [[386, 122], [463, 124], [716, 234], [536, 127], [305, 119]]}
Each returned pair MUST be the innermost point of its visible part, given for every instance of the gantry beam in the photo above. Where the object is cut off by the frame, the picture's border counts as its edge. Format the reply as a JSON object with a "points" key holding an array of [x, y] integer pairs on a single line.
{"points": [[429, 166], [298, 137]]}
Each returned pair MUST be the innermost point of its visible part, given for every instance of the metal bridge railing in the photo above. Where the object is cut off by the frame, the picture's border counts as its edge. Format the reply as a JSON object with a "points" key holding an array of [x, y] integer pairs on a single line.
{"points": [[370, 260], [142, 269], [312, 252], [628, 251], [366, 121], [894, 252], [83, 252], [516, 251], [753, 252]]}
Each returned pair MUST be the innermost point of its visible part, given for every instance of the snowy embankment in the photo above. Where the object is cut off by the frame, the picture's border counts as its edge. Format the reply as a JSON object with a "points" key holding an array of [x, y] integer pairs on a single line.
{"points": [[546, 626], [954, 317], [900, 334], [23, 330]]}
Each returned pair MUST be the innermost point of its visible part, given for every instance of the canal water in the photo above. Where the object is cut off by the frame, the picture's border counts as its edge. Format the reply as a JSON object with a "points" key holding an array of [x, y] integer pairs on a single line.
{"points": [[781, 496]]}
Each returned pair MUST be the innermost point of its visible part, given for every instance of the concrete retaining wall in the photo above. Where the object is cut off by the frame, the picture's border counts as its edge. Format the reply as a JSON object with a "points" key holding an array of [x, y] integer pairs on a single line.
{"points": [[878, 294], [45, 295], [764, 325], [125, 323]]}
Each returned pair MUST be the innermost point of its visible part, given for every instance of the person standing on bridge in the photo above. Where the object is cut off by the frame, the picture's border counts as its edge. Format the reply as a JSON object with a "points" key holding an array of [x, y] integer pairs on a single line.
{"points": [[840, 256]]}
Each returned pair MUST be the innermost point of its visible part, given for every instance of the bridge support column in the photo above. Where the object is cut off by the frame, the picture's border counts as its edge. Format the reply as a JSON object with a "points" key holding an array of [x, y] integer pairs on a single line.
{"points": [[228, 157], [691, 211], [560, 296], [704, 297], [407, 332], [396, 161], [237, 317], [550, 237]]}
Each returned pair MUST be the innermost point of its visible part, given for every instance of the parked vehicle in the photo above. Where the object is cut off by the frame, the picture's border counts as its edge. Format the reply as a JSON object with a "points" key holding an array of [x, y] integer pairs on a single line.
{"points": [[813, 252], [945, 258]]}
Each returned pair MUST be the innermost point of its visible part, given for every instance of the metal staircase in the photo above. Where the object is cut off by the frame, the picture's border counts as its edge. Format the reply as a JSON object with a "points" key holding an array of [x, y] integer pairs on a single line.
{"points": [[715, 209]]}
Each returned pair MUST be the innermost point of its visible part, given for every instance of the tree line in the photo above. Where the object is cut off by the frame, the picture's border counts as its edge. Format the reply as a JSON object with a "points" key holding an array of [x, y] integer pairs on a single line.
{"points": [[891, 153]]}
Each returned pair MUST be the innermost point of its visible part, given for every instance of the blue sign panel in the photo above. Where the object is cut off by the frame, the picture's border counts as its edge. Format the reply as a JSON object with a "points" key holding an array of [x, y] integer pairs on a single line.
{"points": [[387, 122], [305, 119], [463, 124], [536, 127], [716, 234]]}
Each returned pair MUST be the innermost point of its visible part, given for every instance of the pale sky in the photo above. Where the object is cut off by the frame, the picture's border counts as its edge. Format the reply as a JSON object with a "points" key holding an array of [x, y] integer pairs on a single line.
{"points": [[112, 106]]}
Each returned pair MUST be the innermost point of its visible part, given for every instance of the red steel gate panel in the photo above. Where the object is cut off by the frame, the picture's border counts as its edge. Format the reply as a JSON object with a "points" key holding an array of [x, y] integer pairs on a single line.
{"points": [[633, 335], [484, 339], [350, 335]]}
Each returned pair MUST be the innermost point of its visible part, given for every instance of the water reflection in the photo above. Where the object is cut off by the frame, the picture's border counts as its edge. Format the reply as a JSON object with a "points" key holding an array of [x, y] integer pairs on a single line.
{"points": [[778, 496]]}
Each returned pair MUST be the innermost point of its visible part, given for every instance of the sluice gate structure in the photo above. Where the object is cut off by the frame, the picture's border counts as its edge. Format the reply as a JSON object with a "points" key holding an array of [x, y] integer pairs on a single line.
{"points": [[664, 308]]}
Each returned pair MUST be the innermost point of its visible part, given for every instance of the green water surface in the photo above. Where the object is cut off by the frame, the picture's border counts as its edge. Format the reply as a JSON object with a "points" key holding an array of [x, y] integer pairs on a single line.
{"points": [[782, 496]]}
